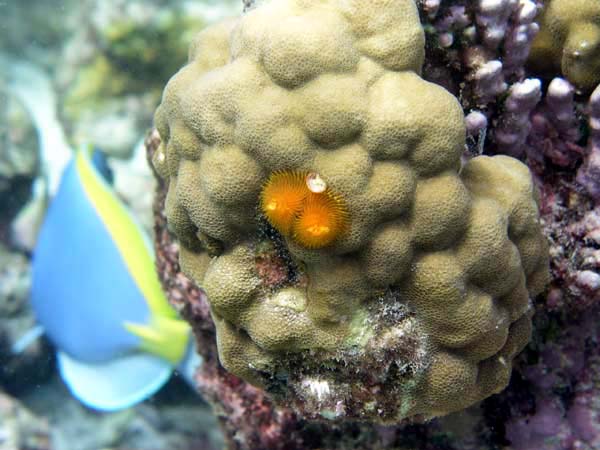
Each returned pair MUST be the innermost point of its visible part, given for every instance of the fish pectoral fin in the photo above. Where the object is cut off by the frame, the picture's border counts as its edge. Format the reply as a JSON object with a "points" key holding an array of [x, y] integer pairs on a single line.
{"points": [[165, 337]]}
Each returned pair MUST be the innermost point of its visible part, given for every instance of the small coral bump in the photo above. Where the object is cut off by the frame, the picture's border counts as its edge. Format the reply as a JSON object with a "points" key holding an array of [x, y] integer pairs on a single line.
{"points": [[322, 219], [282, 197]]}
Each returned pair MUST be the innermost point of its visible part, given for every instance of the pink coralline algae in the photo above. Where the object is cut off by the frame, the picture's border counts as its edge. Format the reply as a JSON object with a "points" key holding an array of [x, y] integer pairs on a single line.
{"points": [[514, 125], [570, 208], [485, 43], [565, 382], [555, 128], [589, 173]]}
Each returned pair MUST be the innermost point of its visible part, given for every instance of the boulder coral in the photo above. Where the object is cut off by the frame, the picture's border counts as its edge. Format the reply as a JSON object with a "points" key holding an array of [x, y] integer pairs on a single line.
{"points": [[569, 40], [419, 307]]}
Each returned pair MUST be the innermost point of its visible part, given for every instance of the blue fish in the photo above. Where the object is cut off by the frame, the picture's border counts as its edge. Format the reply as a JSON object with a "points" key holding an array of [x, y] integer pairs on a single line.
{"points": [[96, 294]]}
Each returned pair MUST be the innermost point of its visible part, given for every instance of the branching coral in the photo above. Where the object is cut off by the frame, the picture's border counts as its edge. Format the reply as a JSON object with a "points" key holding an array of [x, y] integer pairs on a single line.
{"points": [[419, 307], [589, 173]]}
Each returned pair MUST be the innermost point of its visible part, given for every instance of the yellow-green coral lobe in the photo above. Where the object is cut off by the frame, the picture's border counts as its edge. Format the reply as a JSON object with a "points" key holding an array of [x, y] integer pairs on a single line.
{"points": [[569, 41]]}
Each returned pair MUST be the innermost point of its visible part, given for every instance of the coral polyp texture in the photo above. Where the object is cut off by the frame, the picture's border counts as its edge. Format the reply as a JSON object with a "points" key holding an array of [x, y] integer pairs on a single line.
{"points": [[418, 307], [569, 40]]}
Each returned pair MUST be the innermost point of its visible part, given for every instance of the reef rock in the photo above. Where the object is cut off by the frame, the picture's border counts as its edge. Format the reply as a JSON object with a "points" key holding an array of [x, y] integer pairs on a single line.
{"points": [[20, 428]]}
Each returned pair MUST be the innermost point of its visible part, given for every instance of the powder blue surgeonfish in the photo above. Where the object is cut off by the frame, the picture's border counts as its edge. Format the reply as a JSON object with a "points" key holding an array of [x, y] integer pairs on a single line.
{"points": [[96, 294]]}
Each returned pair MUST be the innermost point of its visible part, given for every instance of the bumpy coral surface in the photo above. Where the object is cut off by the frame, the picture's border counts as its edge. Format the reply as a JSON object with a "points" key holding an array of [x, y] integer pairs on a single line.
{"points": [[569, 39], [420, 306]]}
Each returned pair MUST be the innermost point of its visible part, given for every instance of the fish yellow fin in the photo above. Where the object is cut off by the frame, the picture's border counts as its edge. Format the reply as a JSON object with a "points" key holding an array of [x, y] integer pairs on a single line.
{"points": [[166, 337]]}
